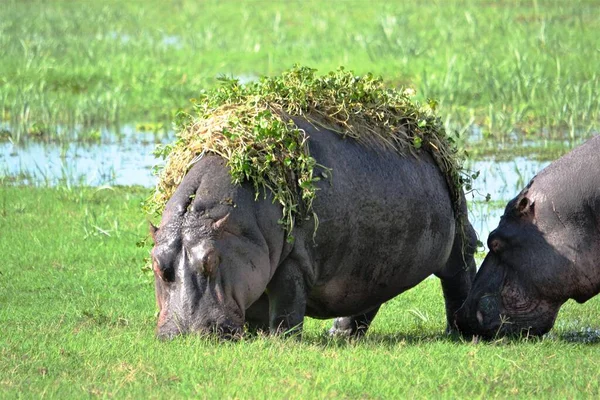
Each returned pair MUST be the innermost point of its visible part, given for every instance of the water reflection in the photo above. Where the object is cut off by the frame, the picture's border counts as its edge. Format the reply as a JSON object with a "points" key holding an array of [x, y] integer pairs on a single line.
{"points": [[127, 159], [503, 180]]}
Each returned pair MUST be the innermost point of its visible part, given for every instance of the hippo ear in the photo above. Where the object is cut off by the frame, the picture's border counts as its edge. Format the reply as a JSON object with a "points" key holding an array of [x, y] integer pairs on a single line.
{"points": [[526, 207], [153, 231], [219, 224]]}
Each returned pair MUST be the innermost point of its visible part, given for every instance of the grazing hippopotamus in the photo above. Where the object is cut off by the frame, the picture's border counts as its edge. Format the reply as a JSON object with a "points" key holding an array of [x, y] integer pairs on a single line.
{"points": [[545, 250], [385, 223]]}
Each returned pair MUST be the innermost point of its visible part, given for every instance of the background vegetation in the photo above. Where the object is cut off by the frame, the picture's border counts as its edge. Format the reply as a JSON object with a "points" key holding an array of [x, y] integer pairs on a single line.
{"points": [[524, 67]]}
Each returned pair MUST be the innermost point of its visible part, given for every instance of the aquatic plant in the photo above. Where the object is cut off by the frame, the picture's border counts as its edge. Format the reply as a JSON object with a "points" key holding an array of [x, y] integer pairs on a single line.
{"points": [[251, 126]]}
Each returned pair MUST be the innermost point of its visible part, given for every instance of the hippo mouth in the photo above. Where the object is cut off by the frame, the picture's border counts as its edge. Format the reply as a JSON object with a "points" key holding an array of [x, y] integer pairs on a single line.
{"points": [[490, 318], [222, 328], [483, 320], [224, 332], [495, 307]]}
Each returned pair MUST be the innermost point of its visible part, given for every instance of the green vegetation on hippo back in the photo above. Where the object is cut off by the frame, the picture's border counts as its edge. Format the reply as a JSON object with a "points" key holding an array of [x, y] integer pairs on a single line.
{"points": [[301, 194]]}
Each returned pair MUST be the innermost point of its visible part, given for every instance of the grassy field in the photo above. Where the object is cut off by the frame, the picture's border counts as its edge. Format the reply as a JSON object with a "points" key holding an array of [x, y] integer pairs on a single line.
{"points": [[77, 307], [515, 68], [78, 313]]}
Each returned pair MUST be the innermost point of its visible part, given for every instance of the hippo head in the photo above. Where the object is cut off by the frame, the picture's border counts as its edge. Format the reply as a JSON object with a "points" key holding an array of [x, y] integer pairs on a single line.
{"points": [[211, 258], [206, 276], [523, 280]]}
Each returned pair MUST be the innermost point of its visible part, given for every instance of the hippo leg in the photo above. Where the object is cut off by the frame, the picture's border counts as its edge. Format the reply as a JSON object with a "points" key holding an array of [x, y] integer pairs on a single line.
{"points": [[354, 327], [287, 299], [459, 273], [257, 315]]}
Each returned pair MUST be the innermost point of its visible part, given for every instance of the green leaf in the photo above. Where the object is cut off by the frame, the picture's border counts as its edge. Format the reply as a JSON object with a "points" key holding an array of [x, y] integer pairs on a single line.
{"points": [[417, 142]]}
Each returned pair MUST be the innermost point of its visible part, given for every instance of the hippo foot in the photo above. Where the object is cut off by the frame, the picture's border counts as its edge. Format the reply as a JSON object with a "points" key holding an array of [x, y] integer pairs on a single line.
{"points": [[348, 327], [333, 331], [452, 332]]}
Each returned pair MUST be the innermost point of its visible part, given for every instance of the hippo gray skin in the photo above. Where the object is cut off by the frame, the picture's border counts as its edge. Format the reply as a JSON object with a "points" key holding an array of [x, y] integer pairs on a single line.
{"points": [[545, 251], [385, 223]]}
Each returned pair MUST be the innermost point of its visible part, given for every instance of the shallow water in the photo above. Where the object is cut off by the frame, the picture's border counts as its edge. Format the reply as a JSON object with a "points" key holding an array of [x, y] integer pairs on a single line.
{"points": [[502, 181], [127, 159]]}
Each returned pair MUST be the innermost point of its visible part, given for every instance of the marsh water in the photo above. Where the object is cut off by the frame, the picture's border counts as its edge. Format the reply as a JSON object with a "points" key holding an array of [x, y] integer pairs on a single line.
{"points": [[115, 159], [127, 158]]}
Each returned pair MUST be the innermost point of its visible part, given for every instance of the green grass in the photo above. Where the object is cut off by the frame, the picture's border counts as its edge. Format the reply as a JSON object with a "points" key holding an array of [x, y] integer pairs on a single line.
{"points": [[509, 66], [77, 314], [77, 306]]}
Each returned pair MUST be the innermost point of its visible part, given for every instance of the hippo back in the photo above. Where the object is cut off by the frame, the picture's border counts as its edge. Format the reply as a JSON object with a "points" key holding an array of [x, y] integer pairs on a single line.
{"points": [[385, 221]]}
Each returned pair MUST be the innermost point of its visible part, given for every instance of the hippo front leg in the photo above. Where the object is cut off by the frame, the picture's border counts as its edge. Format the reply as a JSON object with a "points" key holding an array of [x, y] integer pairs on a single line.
{"points": [[257, 316], [457, 277], [287, 299], [354, 327], [456, 290]]}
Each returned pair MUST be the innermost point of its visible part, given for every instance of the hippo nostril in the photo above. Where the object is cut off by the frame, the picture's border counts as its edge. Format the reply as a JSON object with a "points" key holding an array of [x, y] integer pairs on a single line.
{"points": [[463, 322], [165, 335], [168, 328], [230, 333], [228, 330]]}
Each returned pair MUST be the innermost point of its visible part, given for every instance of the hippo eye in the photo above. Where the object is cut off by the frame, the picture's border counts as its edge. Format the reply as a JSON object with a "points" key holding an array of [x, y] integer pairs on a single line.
{"points": [[156, 268], [496, 242], [165, 273]]}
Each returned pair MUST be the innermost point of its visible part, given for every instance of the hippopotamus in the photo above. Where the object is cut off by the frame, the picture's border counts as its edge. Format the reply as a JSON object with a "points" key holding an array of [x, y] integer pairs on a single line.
{"points": [[545, 250], [384, 222]]}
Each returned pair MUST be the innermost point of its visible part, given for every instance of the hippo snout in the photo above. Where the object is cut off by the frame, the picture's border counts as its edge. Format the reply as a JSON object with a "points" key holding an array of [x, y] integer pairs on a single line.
{"points": [[168, 331], [166, 335], [480, 317], [226, 331], [223, 329]]}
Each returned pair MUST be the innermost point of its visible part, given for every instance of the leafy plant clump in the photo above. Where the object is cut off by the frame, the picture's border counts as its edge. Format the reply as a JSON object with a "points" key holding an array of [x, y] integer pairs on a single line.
{"points": [[251, 127]]}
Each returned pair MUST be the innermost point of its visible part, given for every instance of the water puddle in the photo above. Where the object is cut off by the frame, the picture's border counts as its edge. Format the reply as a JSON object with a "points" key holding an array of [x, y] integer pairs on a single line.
{"points": [[584, 335], [503, 180], [172, 41], [123, 160], [128, 160], [246, 78], [165, 40]]}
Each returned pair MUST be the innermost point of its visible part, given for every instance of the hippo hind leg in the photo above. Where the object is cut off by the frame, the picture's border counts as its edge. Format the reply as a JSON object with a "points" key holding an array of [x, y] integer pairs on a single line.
{"points": [[353, 327], [457, 277]]}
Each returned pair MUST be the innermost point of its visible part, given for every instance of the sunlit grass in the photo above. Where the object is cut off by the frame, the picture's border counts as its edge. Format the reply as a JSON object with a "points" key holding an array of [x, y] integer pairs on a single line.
{"points": [[528, 68], [78, 318]]}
